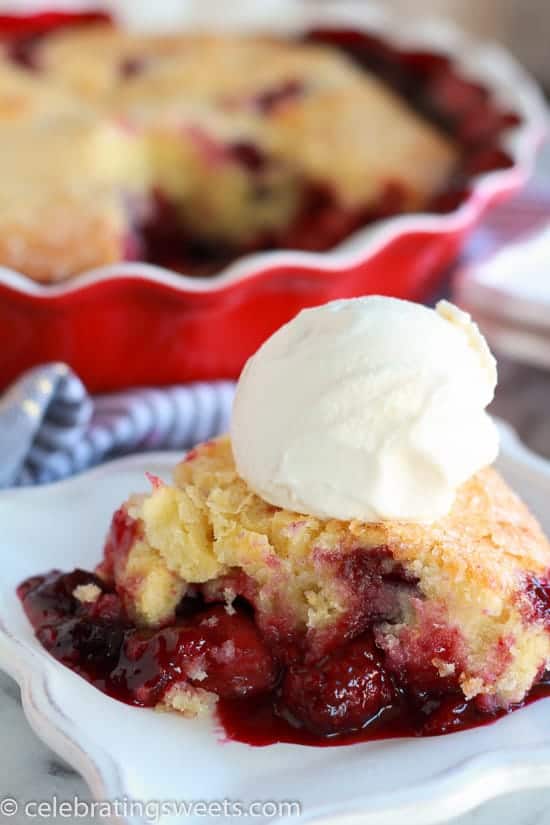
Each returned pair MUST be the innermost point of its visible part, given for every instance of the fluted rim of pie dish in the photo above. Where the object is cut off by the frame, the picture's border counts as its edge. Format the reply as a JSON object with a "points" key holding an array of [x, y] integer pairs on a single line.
{"points": [[483, 62]]}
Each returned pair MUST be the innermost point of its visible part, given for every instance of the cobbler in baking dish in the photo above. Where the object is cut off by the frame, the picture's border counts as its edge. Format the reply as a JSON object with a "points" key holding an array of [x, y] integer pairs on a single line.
{"points": [[188, 150], [424, 609]]}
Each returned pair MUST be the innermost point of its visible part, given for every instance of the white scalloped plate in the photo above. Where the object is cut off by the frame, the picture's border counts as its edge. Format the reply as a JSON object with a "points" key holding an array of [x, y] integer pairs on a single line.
{"points": [[140, 754]]}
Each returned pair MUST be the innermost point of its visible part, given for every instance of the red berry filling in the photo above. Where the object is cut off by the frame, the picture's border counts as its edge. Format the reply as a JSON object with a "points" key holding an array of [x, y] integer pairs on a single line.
{"points": [[340, 693], [122, 534], [132, 66], [268, 689], [211, 648], [271, 99], [426, 657], [537, 592], [371, 582]]}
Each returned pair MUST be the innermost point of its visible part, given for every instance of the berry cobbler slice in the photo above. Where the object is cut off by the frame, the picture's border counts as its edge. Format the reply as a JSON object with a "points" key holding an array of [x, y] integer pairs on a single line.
{"points": [[208, 594]]}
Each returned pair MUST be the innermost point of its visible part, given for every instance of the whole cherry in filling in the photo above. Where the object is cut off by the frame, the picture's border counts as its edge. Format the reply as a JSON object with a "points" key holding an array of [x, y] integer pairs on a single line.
{"points": [[341, 692], [213, 650]]}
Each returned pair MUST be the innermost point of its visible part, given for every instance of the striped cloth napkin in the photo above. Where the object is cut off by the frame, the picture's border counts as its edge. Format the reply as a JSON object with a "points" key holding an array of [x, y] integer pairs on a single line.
{"points": [[50, 427]]}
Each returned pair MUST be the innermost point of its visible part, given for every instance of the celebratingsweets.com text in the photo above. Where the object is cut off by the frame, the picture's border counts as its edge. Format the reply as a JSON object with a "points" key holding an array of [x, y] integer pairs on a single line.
{"points": [[151, 811]]}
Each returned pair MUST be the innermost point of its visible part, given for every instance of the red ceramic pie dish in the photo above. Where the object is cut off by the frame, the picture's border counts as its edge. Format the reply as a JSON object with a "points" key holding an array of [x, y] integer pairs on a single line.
{"points": [[137, 323]]}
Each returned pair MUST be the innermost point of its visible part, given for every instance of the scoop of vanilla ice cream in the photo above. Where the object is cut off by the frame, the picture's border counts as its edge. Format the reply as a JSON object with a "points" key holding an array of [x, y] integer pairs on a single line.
{"points": [[371, 409]]}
